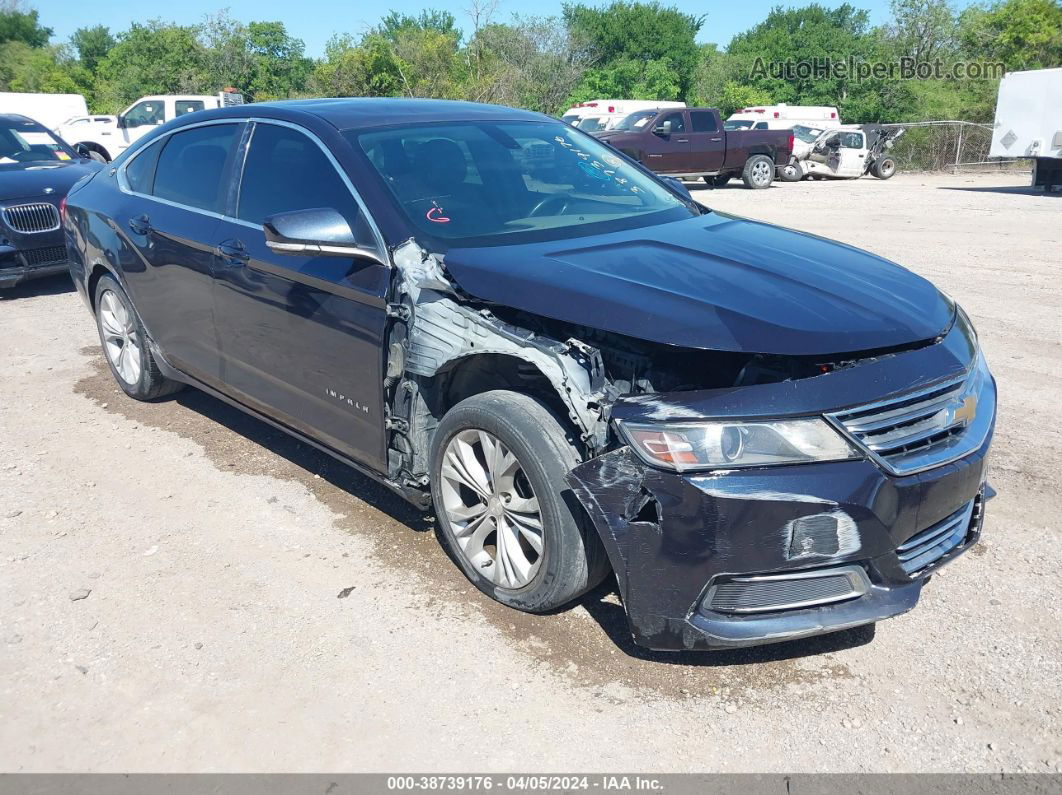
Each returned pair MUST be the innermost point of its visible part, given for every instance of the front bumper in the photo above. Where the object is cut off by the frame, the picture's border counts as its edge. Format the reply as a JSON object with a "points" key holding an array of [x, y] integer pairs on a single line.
{"points": [[673, 538], [24, 257]]}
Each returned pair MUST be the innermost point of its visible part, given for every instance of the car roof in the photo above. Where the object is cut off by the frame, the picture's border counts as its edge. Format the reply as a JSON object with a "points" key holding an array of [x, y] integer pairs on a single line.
{"points": [[10, 118], [365, 112]]}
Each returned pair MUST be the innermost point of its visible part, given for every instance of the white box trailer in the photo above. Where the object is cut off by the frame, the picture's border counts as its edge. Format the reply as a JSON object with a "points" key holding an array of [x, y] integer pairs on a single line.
{"points": [[1029, 123], [51, 110]]}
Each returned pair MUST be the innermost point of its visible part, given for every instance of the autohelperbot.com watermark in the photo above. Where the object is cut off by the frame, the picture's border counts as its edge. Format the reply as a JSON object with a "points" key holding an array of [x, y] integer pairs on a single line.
{"points": [[852, 68]]}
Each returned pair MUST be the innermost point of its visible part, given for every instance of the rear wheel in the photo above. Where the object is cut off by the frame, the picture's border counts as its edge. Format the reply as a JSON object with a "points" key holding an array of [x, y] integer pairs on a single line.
{"points": [[791, 172], [506, 516], [125, 344], [758, 172], [883, 167]]}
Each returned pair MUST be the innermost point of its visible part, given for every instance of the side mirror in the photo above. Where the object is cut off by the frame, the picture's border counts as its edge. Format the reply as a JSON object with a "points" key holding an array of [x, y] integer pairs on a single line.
{"points": [[678, 186], [662, 129], [320, 232]]}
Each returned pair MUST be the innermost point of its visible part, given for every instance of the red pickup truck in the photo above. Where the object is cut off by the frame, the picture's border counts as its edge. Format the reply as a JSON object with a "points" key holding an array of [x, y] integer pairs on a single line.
{"points": [[691, 142]]}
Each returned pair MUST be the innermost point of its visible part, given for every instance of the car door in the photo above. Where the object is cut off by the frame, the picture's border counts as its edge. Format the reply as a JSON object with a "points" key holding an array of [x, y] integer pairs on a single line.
{"points": [[302, 337], [176, 189], [707, 147], [852, 154], [668, 151]]}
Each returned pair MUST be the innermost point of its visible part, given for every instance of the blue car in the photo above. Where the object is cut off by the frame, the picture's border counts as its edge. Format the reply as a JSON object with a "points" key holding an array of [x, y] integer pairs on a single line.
{"points": [[36, 171], [762, 434]]}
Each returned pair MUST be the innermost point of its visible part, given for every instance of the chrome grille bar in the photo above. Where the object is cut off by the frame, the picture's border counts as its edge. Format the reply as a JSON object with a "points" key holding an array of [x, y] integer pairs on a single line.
{"points": [[32, 218], [933, 543]]}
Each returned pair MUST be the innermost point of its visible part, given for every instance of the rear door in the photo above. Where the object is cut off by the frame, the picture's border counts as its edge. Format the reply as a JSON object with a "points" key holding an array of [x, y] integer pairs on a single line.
{"points": [[852, 154], [177, 189], [302, 337], [707, 144], [669, 152]]}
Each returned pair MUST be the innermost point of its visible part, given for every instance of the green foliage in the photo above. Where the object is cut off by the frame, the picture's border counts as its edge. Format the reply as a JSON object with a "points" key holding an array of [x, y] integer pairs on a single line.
{"points": [[92, 44], [22, 26], [429, 20], [626, 35], [40, 69], [1022, 34]]}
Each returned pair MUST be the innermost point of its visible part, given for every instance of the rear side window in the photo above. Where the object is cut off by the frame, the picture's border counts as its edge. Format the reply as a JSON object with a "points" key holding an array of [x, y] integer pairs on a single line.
{"points": [[760, 125], [183, 106], [286, 171], [140, 173], [703, 121], [192, 164]]}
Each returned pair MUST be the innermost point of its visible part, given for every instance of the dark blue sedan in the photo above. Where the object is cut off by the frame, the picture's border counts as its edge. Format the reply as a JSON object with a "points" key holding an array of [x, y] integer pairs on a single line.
{"points": [[36, 171], [762, 434]]}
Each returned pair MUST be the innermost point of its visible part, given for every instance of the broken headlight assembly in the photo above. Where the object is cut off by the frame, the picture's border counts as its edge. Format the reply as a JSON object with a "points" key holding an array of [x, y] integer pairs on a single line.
{"points": [[734, 445]]}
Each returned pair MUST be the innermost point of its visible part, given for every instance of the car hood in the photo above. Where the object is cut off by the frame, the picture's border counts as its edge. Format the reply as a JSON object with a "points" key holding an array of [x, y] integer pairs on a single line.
{"points": [[32, 181], [715, 282]]}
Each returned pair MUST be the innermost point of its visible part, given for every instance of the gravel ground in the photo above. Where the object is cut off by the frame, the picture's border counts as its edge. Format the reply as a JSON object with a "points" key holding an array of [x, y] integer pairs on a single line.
{"points": [[183, 588]]}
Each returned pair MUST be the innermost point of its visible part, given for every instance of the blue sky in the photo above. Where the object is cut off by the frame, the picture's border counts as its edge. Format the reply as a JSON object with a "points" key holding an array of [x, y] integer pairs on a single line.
{"points": [[314, 21]]}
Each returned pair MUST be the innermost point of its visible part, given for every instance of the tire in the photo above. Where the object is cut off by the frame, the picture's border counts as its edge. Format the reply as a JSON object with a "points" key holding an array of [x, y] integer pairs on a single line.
{"points": [[718, 181], [883, 167], [97, 150], [758, 172], [124, 344], [791, 172], [570, 559]]}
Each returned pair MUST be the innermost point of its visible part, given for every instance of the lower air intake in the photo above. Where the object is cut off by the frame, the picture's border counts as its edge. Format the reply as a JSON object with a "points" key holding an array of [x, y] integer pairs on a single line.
{"points": [[774, 592]]}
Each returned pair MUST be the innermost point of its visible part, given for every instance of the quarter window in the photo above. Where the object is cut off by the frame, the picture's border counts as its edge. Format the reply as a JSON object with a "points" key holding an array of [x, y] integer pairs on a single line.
{"points": [[192, 164], [140, 173], [703, 121], [286, 171], [852, 140]]}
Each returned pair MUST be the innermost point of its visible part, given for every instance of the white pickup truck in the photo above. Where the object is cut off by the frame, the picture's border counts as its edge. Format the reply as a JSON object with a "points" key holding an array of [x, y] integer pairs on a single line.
{"points": [[109, 136]]}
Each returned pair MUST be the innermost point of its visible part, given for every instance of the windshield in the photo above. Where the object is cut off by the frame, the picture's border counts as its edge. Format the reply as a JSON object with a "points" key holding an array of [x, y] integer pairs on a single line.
{"points": [[591, 124], [571, 118], [29, 142], [480, 183], [806, 134], [636, 121], [737, 124]]}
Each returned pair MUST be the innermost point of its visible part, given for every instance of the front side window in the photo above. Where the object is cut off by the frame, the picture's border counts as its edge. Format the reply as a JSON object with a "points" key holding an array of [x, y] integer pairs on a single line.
{"points": [[183, 106], [678, 123], [703, 121], [287, 171], [484, 183], [760, 125], [29, 142], [146, 112], [191, 166]]}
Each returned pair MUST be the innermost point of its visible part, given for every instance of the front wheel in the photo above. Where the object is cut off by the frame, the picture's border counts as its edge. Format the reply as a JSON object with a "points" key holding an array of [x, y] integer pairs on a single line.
{"points": [[125, 344], [506, 516], [791, 172], [758, 172]]}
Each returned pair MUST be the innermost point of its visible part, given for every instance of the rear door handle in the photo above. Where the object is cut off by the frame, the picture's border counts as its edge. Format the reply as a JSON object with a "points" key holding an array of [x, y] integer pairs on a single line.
{"points": [[682, 140], [715, 140], [140, 225], [232, 253]]}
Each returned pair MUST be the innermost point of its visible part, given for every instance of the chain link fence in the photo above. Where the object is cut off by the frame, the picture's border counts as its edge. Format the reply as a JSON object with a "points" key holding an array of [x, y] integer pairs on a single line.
{"points": [[949, 146]]}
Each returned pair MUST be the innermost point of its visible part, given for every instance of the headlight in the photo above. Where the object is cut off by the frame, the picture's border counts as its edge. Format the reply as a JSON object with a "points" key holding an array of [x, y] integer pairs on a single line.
{"points": [[732, 445]]}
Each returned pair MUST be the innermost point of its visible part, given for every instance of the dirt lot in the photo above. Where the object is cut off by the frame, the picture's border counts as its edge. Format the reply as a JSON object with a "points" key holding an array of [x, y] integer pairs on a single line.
{"points": [[170, 574]]}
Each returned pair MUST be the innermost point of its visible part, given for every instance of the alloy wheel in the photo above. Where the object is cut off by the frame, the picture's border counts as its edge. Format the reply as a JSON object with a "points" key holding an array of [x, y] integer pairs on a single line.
{"points": [[761, 172], [121, 342], [491, 508]]}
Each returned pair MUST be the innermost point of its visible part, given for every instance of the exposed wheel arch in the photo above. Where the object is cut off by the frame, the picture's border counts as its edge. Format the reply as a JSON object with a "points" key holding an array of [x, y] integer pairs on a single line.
{"points": [[97, 148]]}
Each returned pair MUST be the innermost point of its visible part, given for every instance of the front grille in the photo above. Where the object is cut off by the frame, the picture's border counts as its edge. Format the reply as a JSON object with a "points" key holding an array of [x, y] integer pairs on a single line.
{"points": [[774, 592], [49, 255], [899, 432], [927, 547], [31, 218]]}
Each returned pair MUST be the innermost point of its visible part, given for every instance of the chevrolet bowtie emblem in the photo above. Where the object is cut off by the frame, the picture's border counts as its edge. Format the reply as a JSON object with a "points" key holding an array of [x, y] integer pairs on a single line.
{"points": [[965, 412]]}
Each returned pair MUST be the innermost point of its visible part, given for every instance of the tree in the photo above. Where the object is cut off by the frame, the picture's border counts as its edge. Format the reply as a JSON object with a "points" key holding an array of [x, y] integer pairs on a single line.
{"points": [[1021, 34], [154, 58], [430, 20], [368, 69], [923, 30], [92, 44], [640, 33], [40, 69], [22, 26]]}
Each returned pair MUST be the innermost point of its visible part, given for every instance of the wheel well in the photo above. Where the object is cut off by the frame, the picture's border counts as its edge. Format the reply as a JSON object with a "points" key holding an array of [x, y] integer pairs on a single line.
{"points": [[98, 272], [483, 372], [761, 150], [95, 147]]}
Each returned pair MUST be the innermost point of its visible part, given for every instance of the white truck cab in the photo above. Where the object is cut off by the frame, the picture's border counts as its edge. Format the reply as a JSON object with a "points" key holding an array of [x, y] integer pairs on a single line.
{"points": [[599, 115], [109, 136]]}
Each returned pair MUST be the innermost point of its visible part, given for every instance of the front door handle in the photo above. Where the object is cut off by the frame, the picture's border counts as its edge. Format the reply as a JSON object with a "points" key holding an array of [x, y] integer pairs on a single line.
{"points": [[232, 253], [140, 225], [682, 140], [715, 140]]}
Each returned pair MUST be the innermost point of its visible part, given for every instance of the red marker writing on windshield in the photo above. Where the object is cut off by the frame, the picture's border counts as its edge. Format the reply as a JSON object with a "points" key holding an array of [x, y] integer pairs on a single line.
{"points": [[435, 215]]}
